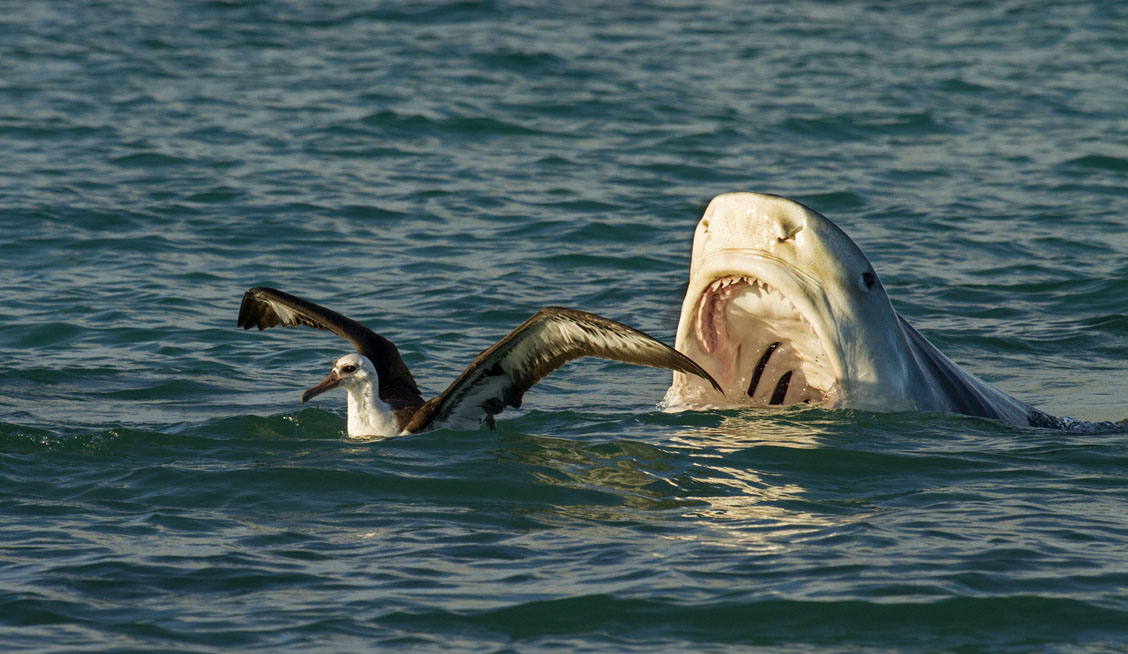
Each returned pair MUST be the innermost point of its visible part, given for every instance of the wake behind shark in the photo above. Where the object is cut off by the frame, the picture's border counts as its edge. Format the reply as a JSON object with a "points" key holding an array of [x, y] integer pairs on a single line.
{"points": [[784, 308]]}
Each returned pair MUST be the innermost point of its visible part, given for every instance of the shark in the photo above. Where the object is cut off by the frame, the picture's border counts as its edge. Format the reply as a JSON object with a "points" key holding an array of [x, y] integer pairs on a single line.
{"points": [[783, 308]]}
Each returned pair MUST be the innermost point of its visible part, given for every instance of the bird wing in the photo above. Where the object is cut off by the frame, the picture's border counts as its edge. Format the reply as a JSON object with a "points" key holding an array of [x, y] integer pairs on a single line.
{"points": [[499, 376], [264, 307]]}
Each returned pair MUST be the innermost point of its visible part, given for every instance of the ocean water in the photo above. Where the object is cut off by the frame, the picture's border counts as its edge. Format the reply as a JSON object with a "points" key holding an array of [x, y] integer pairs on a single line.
{"points": [[439, 171]]}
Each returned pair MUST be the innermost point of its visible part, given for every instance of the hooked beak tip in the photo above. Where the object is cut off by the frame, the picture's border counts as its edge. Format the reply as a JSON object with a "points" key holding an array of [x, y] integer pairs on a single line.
{"points": [[329, 383]]}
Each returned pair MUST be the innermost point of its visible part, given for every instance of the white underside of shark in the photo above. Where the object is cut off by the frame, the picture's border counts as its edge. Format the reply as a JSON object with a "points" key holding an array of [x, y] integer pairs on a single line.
{"points": [[784, 308]]}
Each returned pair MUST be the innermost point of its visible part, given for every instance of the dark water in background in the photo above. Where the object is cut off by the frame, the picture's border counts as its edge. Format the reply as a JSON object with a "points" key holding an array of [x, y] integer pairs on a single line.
{"points": [[442, 170]]}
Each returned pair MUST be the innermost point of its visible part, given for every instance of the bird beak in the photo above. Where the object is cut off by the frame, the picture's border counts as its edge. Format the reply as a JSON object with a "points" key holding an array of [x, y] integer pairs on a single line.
{"points": [[328, 384]]}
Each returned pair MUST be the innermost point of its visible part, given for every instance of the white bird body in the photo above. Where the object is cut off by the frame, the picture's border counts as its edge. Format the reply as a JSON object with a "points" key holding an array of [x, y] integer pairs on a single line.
{"points": [[368, 414]]}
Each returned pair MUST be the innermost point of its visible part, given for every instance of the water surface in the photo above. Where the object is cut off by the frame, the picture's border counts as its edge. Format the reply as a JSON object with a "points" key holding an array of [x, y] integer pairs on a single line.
{"points": [[440, 170]]}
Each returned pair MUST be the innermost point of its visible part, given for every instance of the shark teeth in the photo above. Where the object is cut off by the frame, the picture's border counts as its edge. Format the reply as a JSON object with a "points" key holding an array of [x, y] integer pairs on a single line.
{"points": [[710, 326], [725, 282]]}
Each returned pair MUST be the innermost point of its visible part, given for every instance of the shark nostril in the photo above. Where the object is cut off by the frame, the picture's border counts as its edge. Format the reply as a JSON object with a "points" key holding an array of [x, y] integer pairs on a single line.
{"points": [[790, 234]]}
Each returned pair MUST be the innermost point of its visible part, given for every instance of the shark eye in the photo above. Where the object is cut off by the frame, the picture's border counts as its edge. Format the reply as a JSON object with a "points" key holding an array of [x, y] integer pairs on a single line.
{"points": [[349, 369], [866, 281]]}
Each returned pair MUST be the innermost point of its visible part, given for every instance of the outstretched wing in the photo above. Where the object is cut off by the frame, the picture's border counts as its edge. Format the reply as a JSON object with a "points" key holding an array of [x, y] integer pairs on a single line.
{"points": [[500, 376], [264, 307]]}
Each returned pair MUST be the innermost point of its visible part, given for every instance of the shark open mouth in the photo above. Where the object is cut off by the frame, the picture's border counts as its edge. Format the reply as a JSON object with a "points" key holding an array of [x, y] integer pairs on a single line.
{"points": [[758, 345]]}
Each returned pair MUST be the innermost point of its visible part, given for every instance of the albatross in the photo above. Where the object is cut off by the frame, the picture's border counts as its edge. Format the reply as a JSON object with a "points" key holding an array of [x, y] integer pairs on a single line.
{"points": [[383, 399]]}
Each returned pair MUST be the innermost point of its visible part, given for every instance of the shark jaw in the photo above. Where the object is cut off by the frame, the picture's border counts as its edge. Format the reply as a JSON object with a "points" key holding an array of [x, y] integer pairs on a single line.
{"points": [[757, 344]]}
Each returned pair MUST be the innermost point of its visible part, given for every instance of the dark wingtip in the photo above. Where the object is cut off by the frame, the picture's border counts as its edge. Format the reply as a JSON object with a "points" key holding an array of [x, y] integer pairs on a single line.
{"points": [[700, 372], [247, 310], [252, 310]]}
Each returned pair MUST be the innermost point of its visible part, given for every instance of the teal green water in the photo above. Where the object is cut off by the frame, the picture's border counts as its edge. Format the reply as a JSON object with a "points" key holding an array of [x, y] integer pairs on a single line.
{"points": [[440, 170]]}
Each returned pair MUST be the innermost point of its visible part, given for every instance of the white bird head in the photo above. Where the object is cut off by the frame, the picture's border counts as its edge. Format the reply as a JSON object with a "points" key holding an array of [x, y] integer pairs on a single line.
{"points": [[353, 372]]}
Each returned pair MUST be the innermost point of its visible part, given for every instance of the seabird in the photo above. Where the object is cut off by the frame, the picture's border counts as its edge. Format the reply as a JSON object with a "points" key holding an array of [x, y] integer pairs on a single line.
{"points": [[384, 399]]}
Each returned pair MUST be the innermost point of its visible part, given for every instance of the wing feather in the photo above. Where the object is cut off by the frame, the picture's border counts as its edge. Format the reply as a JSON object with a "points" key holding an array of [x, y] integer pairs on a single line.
{"points": [[500, 375], [264, 307]]}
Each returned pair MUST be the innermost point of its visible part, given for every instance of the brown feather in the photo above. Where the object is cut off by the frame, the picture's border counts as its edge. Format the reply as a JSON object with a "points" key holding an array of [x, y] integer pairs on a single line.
{"points": [[549, 339], [397, 385]]}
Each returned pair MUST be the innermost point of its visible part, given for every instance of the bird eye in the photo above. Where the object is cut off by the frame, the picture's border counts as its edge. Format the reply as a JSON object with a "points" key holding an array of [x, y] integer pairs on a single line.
{"points": [[866, 281], [349, 368]]}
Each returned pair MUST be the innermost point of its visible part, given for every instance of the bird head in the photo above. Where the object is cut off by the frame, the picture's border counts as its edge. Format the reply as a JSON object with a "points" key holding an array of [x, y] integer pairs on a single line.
{"points": [[352, 371]]}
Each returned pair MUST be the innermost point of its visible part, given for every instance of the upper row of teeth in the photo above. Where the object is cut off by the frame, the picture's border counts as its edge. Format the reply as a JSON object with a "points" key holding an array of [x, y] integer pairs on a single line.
{"points": [[729, 281]]}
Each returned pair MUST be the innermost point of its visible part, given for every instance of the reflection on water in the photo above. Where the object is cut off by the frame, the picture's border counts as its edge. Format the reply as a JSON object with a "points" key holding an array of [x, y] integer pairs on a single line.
{"points": [[744, 505], [745, 428], [708, 474]]}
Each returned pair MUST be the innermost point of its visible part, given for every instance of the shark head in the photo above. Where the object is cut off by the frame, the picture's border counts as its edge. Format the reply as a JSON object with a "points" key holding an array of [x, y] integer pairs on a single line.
{"points": [[784, 308]]}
